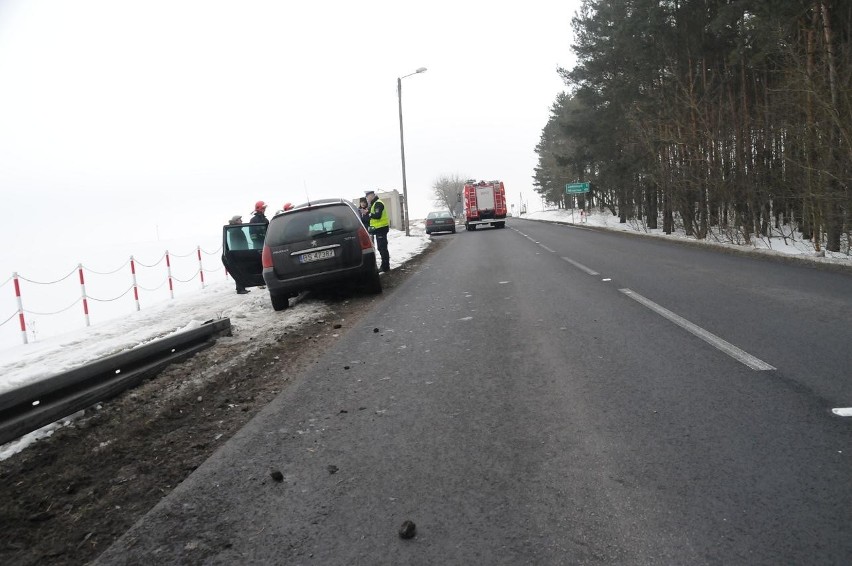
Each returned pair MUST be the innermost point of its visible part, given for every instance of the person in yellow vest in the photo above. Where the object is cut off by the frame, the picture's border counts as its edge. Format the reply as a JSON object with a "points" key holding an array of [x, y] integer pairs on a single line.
{"points": [[379, 227]]}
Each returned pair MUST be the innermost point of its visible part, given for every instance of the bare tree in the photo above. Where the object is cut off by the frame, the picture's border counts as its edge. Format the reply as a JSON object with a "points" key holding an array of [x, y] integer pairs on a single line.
{"points": [[447, 191]]}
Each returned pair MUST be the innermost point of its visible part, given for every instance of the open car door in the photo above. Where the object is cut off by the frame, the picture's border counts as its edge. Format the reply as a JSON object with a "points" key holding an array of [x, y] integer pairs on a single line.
{"points": [[242, 246]]}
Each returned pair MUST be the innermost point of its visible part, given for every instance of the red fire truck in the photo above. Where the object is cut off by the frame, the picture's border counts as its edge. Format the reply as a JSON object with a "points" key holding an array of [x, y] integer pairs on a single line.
{"points": [[484, 203]]}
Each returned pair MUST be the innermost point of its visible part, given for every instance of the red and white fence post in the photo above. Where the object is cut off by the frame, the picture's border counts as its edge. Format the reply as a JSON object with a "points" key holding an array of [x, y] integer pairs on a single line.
{"points": [[200, 265], [20, 307], [135, 288], [83, 291], [169, 270]]}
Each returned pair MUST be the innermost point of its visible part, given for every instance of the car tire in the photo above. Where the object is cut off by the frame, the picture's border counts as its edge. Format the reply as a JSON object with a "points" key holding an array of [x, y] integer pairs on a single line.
{"points": [[280, 302], [471, 227], [373, 283], [453, 230]]}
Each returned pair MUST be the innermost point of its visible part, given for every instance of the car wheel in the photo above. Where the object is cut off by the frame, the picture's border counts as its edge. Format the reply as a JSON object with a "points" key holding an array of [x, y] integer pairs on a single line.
{"points": [[453, 230], [373, 283], [471, 227], [279, 301]]}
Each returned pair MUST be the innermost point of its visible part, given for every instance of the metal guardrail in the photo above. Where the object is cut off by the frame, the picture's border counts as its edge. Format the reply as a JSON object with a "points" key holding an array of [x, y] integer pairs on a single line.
{"points": [[37, 404]]}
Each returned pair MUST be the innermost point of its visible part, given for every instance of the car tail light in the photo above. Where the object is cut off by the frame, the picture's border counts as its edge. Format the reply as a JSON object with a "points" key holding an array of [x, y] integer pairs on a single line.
{"points": [[266, 257], [429, 222], [364, 239]]}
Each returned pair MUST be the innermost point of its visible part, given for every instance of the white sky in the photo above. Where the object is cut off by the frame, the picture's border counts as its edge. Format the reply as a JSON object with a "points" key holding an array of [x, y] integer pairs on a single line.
{"points": [[131, 121]]}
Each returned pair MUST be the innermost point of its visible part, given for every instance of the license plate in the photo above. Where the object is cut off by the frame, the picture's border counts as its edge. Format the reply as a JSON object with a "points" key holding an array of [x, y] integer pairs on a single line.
{"points": [[316, 256]]}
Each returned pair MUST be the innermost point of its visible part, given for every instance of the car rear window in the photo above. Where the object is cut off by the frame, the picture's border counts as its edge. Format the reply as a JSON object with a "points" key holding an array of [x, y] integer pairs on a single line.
{"points": [[312, 223]]}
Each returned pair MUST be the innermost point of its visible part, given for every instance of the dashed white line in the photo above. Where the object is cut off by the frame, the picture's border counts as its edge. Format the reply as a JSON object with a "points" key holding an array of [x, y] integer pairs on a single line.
{"points": [[739, 355], [548, 249], [843, 412], [580, 266]]}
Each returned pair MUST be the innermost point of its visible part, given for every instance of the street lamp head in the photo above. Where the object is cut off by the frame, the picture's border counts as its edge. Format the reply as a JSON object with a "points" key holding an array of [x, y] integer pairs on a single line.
{"points": [[420, 70]]}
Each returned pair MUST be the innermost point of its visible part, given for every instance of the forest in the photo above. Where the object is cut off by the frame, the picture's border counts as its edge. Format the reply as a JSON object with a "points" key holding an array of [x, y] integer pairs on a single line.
{"points": [[722, 118]]}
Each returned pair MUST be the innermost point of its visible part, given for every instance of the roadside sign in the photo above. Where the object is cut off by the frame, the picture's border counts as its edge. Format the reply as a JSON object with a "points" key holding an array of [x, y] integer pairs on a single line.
{"points": [[577, 188]]}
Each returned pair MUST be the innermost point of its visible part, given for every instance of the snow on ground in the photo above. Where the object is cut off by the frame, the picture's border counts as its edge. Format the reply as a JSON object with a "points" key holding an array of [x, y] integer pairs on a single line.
{"points": [[251, 313], [785, 242], [251, 316]]}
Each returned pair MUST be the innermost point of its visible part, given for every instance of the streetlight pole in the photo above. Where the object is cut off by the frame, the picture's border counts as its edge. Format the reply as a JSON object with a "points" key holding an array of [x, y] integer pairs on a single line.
{"points": [[402, 147]]}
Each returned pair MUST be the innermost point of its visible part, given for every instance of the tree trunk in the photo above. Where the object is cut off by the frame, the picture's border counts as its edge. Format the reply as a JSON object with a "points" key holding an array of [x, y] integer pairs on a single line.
{"points": [[651, 211], [834, 212]]}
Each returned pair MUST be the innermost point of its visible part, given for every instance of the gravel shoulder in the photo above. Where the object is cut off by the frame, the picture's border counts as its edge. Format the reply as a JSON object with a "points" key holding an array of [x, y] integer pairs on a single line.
{"points": [[66, 498]]}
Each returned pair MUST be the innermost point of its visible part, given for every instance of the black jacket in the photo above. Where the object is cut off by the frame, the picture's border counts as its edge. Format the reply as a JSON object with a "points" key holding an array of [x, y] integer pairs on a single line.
{"points": [[256, 233], [258, 218]]}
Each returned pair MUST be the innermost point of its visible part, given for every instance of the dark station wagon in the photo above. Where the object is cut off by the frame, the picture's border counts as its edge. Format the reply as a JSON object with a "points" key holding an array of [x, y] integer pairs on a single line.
{"points": [[314, 245]]}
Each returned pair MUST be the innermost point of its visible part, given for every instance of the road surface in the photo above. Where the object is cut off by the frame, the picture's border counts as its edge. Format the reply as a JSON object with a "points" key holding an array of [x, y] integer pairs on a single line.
{"points": [[545, 394]]}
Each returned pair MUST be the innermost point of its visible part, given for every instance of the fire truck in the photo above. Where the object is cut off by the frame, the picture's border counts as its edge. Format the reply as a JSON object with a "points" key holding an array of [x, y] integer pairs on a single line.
{"points": [[484, 203]]}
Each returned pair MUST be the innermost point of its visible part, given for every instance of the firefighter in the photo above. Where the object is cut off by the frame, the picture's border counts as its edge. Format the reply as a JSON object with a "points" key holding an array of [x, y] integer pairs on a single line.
{"points": [[379, 227], [259, 217]]}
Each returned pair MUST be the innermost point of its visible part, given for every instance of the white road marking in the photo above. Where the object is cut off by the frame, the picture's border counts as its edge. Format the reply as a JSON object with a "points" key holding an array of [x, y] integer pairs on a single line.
{"points": [[581, 266], [606, 279], [843, 412], [739, 355], [548, 249]]}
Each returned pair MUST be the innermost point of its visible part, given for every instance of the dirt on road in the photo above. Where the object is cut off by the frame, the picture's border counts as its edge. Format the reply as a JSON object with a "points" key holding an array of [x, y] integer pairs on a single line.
{"points": [[66, 498]]}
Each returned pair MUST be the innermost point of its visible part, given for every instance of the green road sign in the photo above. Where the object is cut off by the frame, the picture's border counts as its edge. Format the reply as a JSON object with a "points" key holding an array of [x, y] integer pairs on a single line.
{"points": [[577, 188]]}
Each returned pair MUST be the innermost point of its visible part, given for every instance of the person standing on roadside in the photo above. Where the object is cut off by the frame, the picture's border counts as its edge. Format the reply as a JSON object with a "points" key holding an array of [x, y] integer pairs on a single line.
{"points": [[259, 217], [237, 241], [379, 227], [364, 210]]}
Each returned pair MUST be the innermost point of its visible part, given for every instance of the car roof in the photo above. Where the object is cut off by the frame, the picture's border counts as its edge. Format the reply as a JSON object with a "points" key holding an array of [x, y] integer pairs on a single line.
{"points": [[312, 204], [320, 202]]}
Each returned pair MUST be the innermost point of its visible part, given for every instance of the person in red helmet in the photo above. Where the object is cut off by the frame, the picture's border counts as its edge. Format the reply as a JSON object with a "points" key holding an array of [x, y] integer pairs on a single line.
{"points": [[287, 206], [259, 213], [259, 217]]}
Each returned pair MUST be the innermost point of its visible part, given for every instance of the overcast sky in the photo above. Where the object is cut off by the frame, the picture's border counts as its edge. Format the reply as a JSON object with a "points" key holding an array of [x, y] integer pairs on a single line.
{"points": [[124, 121]]}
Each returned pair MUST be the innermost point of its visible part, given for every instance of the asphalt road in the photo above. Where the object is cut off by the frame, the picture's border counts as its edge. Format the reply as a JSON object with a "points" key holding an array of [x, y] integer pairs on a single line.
{"points": [[545, 394]]}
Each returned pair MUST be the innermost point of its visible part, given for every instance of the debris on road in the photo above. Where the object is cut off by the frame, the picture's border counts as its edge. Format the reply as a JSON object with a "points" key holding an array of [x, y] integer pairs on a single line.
{"points": [[407, 530]]}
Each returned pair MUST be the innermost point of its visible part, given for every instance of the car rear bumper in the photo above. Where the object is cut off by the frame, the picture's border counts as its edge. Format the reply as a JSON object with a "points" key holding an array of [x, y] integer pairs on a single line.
{"points": [[441, 228], [294, 285]]}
